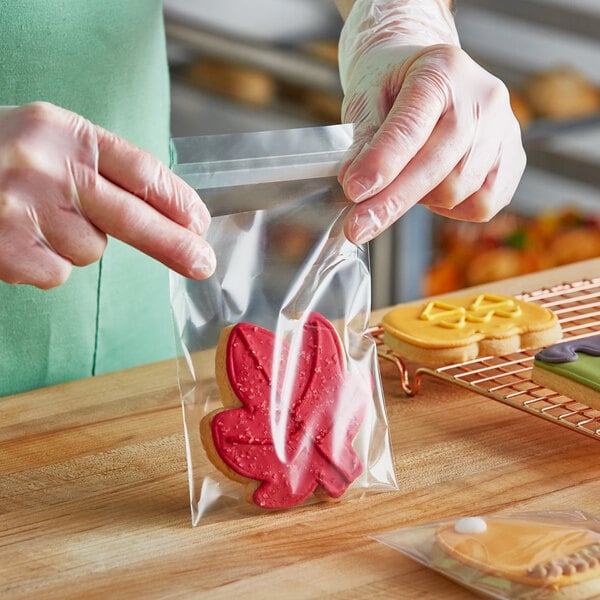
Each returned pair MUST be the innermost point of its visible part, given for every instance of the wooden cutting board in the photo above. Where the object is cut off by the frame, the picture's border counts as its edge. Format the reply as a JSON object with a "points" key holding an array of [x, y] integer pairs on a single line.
{"points": [[94, 493]]}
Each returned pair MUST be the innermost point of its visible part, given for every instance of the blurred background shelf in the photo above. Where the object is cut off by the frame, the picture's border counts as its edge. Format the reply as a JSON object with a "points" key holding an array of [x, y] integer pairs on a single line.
{"points": [[285, 63], [271, 64], [580, 17]]}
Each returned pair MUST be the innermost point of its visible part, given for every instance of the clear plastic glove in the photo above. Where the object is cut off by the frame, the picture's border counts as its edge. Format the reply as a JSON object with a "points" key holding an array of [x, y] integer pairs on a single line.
{"points": [[66, 183], [431, 125]]}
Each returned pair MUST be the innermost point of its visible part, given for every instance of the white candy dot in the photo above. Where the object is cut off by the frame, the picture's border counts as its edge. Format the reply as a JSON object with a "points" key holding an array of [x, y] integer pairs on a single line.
{"points": [[470, 525]]}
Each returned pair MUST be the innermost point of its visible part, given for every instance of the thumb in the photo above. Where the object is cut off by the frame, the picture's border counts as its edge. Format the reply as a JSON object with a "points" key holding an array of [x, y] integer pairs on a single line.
{"points": [[360, 110]]}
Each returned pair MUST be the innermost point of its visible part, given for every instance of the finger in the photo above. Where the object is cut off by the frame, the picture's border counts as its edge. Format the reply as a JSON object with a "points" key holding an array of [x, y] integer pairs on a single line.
{"points": [[465, 179], [39, 267], [76, 239], [431, 165], [56, 215], [25, 255], [358, 110], [129, 219], [483, 157], [369, 218], [496, 192], [357, 145], [142, 174], [410, 122]]}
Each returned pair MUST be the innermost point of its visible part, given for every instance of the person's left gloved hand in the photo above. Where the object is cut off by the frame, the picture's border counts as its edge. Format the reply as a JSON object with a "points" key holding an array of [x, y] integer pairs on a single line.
{"points": [[431, 125], [67, 183]]}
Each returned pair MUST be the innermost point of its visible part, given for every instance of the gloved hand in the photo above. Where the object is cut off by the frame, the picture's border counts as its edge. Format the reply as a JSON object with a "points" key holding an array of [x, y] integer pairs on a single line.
{"points": [[431, 125], [66, 183]]}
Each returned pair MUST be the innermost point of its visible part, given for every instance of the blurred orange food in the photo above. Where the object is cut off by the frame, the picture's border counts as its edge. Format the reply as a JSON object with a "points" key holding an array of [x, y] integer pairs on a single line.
{"points": [[510, 245], [562, 93]]}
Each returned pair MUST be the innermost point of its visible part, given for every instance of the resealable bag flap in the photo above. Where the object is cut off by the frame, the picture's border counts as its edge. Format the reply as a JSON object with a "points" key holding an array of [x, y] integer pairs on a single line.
{"points": [[279, 379]]}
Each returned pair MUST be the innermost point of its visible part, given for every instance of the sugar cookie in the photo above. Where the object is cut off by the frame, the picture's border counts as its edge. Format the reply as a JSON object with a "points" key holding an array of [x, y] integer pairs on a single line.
{"points": [[292, 411], [571, 368], [458, 329], [530, 552]]}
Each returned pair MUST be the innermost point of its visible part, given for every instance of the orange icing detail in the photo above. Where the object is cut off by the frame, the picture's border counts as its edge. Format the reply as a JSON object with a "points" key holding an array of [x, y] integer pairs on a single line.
{"points": [[452, 322], [511, 547]]}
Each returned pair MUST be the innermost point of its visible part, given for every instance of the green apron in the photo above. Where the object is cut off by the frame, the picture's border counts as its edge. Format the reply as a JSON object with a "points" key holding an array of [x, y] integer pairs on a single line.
{"points": [[106, 60]]}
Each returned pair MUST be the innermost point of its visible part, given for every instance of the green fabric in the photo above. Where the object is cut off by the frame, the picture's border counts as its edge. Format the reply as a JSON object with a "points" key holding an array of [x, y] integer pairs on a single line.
{"points": [[105, 60]]}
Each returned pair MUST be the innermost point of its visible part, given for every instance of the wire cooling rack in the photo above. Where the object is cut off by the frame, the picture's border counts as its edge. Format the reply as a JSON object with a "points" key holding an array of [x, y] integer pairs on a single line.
{"points": [[507, 379]]}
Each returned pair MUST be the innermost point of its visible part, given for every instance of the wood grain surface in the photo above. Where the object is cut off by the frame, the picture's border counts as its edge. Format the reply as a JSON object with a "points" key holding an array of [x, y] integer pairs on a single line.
{"points": [[94, 494]]}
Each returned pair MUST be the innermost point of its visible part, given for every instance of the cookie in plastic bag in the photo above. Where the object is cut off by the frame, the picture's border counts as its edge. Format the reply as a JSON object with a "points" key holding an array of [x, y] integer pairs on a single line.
{"points": [[279, 377], [541, 556]]}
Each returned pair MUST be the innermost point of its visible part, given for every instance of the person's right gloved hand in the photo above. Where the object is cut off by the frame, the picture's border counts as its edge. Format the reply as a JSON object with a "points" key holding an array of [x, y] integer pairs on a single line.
{"points": [[431, 126], [65, 184]]}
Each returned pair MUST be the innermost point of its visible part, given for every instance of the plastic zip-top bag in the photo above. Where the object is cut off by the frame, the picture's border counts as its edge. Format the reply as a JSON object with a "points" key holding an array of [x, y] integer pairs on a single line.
{"points": [[280, 386], [544, 555]]}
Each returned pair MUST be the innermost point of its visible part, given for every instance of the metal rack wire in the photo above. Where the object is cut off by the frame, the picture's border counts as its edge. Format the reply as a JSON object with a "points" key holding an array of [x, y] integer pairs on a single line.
{"points": [[507, 379]]}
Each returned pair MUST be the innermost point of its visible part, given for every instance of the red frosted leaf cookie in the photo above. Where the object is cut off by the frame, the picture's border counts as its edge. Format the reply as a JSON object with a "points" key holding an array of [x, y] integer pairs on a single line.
{"points": [[293, 413]]}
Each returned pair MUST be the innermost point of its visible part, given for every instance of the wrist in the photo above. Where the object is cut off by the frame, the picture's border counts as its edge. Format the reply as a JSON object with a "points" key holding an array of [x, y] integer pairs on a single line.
{"points": [[405, 25], [345, 6], [400, 22]]}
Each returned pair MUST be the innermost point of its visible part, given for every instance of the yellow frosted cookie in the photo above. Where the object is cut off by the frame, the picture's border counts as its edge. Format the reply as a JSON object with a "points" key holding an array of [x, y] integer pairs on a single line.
{"points": [[523, 551], [457, 329]]}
